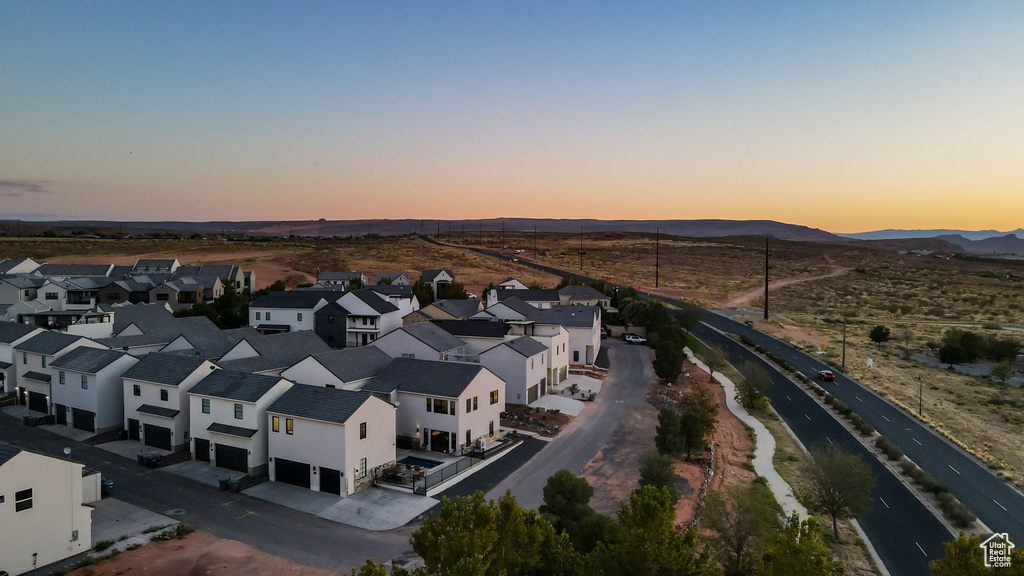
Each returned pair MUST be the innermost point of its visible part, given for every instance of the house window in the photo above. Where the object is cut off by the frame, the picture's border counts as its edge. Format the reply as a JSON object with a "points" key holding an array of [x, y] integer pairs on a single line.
{"points": [[490, 428], [162, 297], [429, 405], [238, 411], [85, 382], [136, 390], [469, 405], [61, 377], [257, 315], [362, 430], [330, 338], [44, 361], [163, 395], [24, 357], [476, 405], [275, 423], [330, 318], [440, 406], [206, 405], [451, 407], [298, 317], [494, 397], [362, 467], [469, 437], [410, 356], [289, 426], [531, 363], [51, 296], [268, 316], [575, 355], [23, 500]]}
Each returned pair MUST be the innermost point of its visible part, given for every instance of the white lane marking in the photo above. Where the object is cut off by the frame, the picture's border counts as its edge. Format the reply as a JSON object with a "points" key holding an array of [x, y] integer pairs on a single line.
{"points": [[857, 397], [921, 549], [788, 398], [953, 469], [806, 416], [886, 419], [1001, 506], [915, 440], [829, 440], [884, 502]]}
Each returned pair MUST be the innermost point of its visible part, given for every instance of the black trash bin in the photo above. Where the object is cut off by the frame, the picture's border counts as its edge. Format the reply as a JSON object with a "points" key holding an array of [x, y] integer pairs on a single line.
{"points": [[122, 434], [224, 484], [142, 459], [50, 419], [233, 486], [151, 461], [106, 487]]}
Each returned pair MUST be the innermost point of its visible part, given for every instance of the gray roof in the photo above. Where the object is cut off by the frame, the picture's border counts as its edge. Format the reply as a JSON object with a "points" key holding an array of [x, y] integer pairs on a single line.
{"points": [[233, 385], [429, 275], [168, 369], [474, 328], [7, 263], [23, 280], [544, 295], [459, 308], [216, 343], [348, 275], [7, 452], [392, 290], [72, 270], [147, 317], [297, 345], [154, 263], [584, 292], [389, 275], [574, 316], [87, 360], [526, 346], [11, 331], [5, 365], [158, 411], [232, 430], [379, 305], [351, 364], [433, 377], [37, 376], [518, 305], [48, 342], [316, 403], [302, 300], [433, 336]]}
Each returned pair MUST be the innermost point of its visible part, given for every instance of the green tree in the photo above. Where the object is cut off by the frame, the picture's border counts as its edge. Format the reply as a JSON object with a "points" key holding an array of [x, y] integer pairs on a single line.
{"points": [[568, 280], [753, 385], [644, 541], [689, 317], [964, 557], [952, 354], [657, 317], [354, 284], [715, 358], [386, 281], [423, 292], [636, 313], [702, 404], [691, 432], [799, 550], [880, 334], [567, 505], [459, 539], [668, 437], [456, 291], [1000, 349], [658, 471], [743, 521], [841, 484], [668, 358], [1002, 371]]}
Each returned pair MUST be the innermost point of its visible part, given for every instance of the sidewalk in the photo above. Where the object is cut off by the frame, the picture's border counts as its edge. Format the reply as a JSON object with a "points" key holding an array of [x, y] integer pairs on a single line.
{"points": [[765, 449]]}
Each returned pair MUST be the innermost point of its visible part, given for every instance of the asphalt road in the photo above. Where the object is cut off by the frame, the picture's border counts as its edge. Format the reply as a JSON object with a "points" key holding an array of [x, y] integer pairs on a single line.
{"points": [[269, 527], [999, 505], [625, 385]]}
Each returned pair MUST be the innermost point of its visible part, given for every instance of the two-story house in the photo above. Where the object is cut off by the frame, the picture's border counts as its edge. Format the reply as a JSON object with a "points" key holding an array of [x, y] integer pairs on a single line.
{"points": [[521, 364], [552, 336], [542, 299], [228, 414], [392, 278], [424, 340], [439, 281], [86, 389], [287, 311], [370, 316], [479, 335], [583, 323], [451, 407], [156, 402], [16, 288], [329, 440], [12, 334], [343, 279], [272, 353], [350, 368], [32, 360], [583, 296], [451, 309]]}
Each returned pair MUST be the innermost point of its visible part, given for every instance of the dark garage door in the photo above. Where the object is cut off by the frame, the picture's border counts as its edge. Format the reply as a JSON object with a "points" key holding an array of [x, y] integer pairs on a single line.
{"points": [[157, 436], [330, 481], [232, 458], [37, 402], [202, 450], [133, 429], [291, 472], [83, 419]]}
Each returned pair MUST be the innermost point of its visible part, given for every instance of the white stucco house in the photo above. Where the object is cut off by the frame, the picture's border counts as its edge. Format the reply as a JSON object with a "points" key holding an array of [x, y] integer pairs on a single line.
{"points": [[450, 407], [584, 326], [521, 364], [285, 311], [370, 316], [156, 402], [86, 388], [422, 340], [343, 279], [349, 368], [555, 339], [329, 440], [439, 281], [479, 335], [228, 414], [12, 334], [42, 516], [394, 278], [32, 359]]}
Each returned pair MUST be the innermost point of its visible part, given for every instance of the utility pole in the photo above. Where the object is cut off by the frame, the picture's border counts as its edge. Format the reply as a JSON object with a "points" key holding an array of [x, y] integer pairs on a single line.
{"points": [[765, 277], [844, 342], [920, 396], [481, 223], [503, 234], [657, 254], [438, 228], [581, 248], [534, 241]]}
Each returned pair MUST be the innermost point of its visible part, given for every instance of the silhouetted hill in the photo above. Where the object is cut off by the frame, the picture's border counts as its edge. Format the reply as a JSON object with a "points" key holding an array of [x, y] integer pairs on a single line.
{"points": [[895, 234], [1008, 244]]}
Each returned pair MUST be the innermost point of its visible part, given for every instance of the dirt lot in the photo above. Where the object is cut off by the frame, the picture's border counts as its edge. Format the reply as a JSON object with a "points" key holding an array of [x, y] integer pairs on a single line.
{"points": [[198, 554]]}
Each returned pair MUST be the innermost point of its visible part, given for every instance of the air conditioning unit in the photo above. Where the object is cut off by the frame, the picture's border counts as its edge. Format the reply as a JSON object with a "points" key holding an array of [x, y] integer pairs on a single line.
{"points": [[481, 444]]}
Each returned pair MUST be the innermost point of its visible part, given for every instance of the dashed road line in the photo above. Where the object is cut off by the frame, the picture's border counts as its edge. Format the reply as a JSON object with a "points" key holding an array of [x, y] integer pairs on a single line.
{"points": [[829, 440], [1001, 506], [921, 549], [788, 398], [886, 419], [884, 502], [857, 397], [806, 416], [953, 469], [915, 440]]}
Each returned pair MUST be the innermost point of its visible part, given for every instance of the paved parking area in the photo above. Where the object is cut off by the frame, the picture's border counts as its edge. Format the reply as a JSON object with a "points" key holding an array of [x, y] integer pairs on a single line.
{"points": [[202, 472], [131, 448], [114, 520], [562, 403]]}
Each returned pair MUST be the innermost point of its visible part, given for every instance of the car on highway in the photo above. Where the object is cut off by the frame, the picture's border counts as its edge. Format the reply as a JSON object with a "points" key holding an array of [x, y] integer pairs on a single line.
{"points": [[634, 339], [749, 323], [827, 375]]}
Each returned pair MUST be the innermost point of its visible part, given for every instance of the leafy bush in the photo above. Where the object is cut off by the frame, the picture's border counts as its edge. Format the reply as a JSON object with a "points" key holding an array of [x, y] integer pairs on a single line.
{"points": [[893, 452], [103, 545]]}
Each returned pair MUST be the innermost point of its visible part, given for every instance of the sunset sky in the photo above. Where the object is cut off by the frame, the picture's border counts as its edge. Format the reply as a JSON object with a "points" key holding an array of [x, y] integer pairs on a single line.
{"points": [[843, 116]]}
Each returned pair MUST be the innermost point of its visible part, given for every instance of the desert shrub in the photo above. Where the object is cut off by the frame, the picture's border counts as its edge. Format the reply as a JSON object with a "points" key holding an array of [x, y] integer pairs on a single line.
{"points": [[828, 398], [961, 515], [103, 545], [905, 465], [865, 428]]}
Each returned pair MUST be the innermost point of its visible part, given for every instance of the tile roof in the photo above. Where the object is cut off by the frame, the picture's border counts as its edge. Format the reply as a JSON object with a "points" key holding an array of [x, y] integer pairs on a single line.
{"points": [[158, 411], [6, 264], [232, 430], [5, 365], [459, 308], [474, 328], [297, 345], [23, 280], [7, 452], [48, 342], [351, 364], [543, 295], [302, 300], [584, 292], [11, 331], [526, 346], [377, 277], [71, 270], [147, 317], [379, 305], [433, 377], [316, 403], [37, 376], [234, 385], [159, 368], [569, 316], [215, 343], [392, 290], [87, 360], [432, 335], [517, 305]]}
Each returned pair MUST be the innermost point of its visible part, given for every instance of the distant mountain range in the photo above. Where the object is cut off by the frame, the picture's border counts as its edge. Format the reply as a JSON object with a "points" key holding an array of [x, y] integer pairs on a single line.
{"points": [[894, 234], [323, 227]]}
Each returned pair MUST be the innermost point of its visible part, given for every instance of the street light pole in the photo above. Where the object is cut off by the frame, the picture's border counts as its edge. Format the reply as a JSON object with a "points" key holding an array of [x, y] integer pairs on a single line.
{"points": [[920, 396]]}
